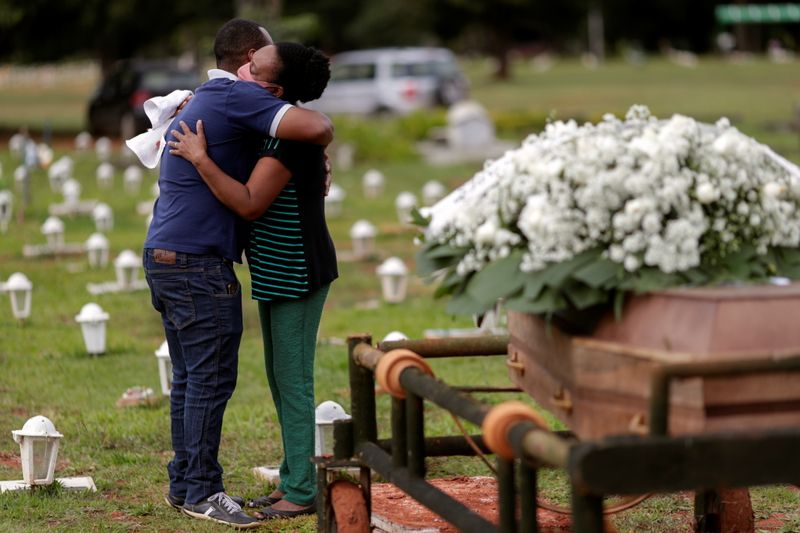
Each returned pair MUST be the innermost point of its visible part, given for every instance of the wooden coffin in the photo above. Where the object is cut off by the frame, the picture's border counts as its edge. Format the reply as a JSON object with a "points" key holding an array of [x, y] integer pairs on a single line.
{"points": [[600, 385]]}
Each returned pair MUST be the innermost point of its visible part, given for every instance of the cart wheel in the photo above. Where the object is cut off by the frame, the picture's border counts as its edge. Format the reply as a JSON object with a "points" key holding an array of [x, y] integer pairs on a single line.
{"points": [[349, 507]]}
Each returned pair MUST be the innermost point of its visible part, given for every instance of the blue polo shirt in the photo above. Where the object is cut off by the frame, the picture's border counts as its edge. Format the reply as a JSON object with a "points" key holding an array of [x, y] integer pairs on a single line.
{"points": [[187, 217]]}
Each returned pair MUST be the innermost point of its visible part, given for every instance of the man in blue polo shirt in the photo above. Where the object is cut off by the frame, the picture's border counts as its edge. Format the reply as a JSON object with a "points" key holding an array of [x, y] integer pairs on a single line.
{"points": [[190, 249]]}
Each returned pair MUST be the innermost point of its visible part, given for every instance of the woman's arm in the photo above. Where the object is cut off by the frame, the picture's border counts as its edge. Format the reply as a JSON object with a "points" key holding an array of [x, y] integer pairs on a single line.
{"points": [[250, 200]]}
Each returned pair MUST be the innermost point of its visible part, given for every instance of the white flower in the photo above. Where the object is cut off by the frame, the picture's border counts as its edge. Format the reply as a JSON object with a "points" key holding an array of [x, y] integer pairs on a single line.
{"points": [[632, 263], [774, 190], [486, 232], [660, 193], [706, 193]]}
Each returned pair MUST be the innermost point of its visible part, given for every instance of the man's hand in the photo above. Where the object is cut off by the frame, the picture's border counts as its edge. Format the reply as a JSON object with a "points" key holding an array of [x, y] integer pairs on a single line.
{"points": [[328, 173], [189, 145]]}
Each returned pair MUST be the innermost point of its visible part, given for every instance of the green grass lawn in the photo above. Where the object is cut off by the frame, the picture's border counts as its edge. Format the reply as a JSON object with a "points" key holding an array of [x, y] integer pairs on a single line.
{"points": [[44, 370]]}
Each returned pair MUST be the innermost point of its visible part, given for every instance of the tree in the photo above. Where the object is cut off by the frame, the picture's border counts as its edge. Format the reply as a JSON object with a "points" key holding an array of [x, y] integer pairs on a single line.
{"points": [[497, 27], [42, 30]]}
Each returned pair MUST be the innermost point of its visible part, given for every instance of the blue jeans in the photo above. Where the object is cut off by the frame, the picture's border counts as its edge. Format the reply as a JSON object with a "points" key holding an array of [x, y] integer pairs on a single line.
{"points": [[200, 301]]}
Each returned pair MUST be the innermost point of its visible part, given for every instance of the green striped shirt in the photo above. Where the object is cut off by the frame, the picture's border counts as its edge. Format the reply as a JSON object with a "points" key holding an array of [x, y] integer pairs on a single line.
{"points": [[276, 254]]}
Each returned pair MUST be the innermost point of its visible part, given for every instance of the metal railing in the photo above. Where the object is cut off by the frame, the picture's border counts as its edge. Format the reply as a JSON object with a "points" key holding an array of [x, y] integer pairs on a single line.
{"points": [[625, 465]]}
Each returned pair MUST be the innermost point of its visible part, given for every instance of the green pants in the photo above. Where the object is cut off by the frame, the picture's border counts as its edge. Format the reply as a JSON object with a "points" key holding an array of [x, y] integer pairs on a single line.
{"points": [[289, 329]]}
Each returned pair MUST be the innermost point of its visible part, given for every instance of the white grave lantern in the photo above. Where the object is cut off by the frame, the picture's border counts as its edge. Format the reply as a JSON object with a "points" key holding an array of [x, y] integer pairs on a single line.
{"points": [[83, 141], [44, 154], [38, 445], [6, 202], [16, 144], [20, 288], [334, 200], [105, 175], [20, 177], [71, 190], [326, 414], [373, 182], [164, 368], [97, 250], [59, 172], [395, 336], [102, 147], [103, 217], [132, 179], [127, 266], [432, 192], [53, 230], [362, 233], [405, 203], [93, 320], [393, 274]]}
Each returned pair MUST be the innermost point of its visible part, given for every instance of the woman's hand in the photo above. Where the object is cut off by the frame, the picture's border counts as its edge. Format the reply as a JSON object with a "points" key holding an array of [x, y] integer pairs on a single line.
{"points": [[190, 146]]}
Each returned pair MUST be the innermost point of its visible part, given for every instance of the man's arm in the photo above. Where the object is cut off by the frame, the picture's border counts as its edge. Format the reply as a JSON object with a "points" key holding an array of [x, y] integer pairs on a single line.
{"points": [[306, 126]]}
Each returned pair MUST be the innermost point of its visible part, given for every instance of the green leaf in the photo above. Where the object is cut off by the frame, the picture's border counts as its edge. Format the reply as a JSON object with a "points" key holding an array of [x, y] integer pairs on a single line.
{"points": [[650, 279], [449, 285], [533, 285], [418, 220], [436, 257], [619, 302], [598, 273], [464, 304], [548, 301], [554, 275], [696, 276], [583, 296], [787, 262], [499, 279]]}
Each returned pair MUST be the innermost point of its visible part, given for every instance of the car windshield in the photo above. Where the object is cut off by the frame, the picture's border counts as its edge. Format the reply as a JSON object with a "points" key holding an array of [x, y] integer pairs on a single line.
{"points": [[352, 71], [427, 68]]}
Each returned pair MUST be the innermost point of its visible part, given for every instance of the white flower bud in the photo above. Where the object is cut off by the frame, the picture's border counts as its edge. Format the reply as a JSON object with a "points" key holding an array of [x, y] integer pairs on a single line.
{"points": [[774, 190], [706, 193], [632, 263]]}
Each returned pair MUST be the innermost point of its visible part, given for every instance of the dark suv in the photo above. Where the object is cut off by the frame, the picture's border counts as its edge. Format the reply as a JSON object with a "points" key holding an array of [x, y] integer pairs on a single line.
{"points": [[116, 109]]}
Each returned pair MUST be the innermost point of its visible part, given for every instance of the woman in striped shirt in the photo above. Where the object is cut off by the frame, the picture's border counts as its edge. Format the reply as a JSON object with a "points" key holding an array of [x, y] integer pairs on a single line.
{"points": [[291, 258]]}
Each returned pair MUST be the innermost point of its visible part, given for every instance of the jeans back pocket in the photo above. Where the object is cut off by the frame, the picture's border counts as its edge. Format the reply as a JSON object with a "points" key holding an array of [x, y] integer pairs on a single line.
{"points": [[175, 300]]}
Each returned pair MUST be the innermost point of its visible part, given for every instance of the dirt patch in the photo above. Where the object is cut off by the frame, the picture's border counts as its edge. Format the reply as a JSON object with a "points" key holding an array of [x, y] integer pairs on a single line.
{"points": [[10, 460], [476, 493], [772, 523]]}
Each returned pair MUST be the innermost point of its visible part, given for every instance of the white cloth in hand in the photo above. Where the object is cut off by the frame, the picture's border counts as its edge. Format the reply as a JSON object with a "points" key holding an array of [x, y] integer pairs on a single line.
{"points": [[148, 146]]}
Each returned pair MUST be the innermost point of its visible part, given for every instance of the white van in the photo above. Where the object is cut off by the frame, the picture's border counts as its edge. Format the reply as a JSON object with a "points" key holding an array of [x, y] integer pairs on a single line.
{"points": [[395, 80]]}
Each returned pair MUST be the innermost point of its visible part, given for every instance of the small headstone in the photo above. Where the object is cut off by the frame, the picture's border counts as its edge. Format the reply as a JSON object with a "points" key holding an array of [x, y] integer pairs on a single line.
{"points": [[344, 157], [468, 125]]}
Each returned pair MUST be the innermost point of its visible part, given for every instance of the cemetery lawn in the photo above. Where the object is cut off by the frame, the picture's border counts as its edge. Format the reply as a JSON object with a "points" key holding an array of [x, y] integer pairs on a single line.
{"points": [[44, 368]]}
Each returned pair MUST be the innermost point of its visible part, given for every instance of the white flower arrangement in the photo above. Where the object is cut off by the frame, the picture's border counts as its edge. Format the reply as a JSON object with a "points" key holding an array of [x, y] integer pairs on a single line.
{"points": [[578, 215]]}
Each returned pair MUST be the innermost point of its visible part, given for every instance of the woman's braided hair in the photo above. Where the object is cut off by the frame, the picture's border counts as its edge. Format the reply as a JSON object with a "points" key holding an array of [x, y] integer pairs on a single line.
{"points": [[305, 72]]}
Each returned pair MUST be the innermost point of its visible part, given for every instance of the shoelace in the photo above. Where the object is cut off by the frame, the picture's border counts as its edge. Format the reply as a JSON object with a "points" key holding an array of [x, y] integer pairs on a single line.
{"points": [[226, 502]]}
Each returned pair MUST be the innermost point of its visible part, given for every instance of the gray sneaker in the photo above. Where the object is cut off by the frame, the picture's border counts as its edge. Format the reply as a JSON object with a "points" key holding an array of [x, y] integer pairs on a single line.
{"points": [[221, 508], [177, 503]]}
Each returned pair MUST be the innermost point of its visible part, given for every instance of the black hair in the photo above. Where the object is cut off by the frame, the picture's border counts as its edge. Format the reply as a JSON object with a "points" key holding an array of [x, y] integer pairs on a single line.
{"points": [[234, 39], [304, 72]]}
